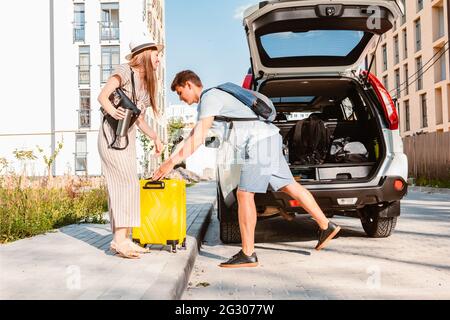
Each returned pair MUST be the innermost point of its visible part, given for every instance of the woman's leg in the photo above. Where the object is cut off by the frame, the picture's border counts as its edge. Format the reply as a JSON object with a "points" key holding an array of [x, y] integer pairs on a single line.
{"points": [[120, 235]]}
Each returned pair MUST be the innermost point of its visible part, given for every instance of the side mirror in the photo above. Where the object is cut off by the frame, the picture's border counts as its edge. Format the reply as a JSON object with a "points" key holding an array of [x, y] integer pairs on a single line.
{"points": [[212, 142]]}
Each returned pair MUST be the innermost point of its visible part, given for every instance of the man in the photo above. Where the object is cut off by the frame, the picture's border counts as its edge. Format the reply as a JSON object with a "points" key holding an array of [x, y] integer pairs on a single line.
{"points": [[263, 162]]}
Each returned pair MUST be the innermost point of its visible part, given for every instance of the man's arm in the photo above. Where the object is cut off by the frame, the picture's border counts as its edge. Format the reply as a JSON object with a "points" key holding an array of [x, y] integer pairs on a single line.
{"points": [[185, 150], [193, 142]]}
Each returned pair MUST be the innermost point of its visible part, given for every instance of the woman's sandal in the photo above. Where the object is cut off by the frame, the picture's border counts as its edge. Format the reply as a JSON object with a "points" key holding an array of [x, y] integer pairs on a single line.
{"points": [[137, 248], [124, 250]]}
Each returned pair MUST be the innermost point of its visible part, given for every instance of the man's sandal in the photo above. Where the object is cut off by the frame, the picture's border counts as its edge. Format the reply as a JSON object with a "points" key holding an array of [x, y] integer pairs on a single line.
{"points": [[124, 250]]}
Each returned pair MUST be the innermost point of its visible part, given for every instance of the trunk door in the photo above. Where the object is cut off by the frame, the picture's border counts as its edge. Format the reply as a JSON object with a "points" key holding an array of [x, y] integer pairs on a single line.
{"points": [[315, 36]]}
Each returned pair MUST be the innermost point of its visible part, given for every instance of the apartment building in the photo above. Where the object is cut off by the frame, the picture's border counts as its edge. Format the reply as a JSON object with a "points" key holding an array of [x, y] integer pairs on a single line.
{"points": [[75, 46], [412, 60]]}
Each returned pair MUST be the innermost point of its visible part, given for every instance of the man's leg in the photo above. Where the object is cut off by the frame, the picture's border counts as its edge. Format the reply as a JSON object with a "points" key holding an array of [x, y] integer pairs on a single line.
{"points": [[300, 193], [247, 220], [328, 230], [247, 224]]}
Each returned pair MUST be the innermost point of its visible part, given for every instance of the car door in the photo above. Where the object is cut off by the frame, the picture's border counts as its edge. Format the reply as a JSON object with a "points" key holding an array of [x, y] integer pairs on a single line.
{"points": [[315, 36]]}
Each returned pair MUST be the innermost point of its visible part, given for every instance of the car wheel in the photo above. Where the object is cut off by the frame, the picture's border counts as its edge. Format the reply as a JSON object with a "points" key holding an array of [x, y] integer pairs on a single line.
{"points": [[376, 224], [230, 232]]}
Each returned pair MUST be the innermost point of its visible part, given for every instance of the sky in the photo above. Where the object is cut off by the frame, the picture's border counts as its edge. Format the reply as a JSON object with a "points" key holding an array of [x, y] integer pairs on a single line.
{"points": [[207, 37]]}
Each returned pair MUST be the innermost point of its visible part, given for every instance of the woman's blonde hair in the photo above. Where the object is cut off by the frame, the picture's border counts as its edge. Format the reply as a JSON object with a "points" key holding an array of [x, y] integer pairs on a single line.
{"points": [[144, 59]]}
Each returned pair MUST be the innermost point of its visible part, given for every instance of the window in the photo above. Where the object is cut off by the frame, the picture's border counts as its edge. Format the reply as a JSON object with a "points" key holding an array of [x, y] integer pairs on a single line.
{"points": [[109, 24], [407, 116], [418, 35], [84, 67], [423, 106], [348, 110], [110, 60], [311, 43], [419, 5], [440, 68], [404, 16], [81, 153], [397, 83], [386, 82], [84, 119], [396, 50], [439, 106], [302, 100], [405, 44], [79, 22], [385, 58], [419, 83], [406, 79]]}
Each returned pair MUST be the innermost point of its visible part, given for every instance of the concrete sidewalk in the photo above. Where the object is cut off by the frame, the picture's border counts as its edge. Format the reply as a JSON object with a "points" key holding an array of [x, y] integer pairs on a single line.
{"points": [[75, 263]]}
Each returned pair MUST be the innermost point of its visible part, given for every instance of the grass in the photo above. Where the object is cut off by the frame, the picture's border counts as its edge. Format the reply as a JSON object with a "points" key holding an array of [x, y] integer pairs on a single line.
{"points": [[29, 208], [434, 183]]}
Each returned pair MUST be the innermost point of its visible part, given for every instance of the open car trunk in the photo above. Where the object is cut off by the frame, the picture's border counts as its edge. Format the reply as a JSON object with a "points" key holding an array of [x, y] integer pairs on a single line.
{"points": [[345, 112]]}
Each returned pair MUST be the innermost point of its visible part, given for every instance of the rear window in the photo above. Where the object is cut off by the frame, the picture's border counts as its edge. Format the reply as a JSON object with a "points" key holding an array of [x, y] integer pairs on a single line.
{"points": [[331, 43], [306, 100]]}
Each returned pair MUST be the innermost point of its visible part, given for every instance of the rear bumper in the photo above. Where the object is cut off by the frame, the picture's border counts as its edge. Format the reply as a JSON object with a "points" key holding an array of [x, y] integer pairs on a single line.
{"points": [[327, 199]]}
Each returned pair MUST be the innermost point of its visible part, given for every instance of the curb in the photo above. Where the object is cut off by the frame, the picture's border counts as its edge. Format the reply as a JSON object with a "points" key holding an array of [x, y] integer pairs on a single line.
{"points": [[172, 283], [429, 189]]}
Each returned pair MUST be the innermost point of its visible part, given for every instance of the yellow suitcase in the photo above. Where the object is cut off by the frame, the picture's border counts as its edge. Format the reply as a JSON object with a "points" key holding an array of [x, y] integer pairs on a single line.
{"points": [[163, 214]]}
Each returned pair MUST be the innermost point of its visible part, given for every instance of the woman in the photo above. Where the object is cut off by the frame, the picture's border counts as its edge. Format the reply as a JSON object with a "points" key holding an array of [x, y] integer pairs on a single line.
{"points": [[119, 166]]}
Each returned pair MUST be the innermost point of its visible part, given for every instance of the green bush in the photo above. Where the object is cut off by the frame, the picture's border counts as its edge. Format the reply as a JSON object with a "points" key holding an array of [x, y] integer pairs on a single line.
{"points": [[434, 183], [29, 212]]}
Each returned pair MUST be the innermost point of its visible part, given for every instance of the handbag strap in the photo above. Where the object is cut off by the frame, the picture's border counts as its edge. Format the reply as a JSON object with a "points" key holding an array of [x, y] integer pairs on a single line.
{"points": [[111, 146], [133, 86]]}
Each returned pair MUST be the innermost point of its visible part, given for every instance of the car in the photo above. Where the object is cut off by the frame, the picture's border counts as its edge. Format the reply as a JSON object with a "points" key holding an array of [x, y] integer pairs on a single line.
{"points": [[309, 57]]}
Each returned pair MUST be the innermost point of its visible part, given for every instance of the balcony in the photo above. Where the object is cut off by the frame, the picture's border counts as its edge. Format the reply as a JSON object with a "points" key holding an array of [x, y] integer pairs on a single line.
{"points": [[79, 34], [81, 162], [105, 71], [84, 75], [109, 31], [84, 118]]}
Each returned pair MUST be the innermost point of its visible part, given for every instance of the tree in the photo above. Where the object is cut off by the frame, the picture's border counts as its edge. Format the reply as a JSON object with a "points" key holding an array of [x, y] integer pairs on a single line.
{"points": [[175, 131], [23, 156], [49, 160], [147, 146]]}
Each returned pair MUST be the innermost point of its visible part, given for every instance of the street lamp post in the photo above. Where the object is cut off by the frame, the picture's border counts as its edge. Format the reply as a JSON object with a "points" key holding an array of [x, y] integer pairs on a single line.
{"points": [[52, 82]]}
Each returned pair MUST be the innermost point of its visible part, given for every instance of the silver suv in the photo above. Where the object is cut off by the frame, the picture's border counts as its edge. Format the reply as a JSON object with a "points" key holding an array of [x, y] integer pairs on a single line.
{"points": [[307, 56]]}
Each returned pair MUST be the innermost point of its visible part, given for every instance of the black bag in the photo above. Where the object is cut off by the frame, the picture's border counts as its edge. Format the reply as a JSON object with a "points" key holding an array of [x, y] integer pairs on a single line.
{"points": [[122, 101], [308, 142]]}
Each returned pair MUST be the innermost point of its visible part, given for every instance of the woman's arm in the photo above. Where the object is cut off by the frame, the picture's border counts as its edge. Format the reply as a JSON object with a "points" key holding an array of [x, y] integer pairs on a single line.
{"points": [[112, 84], [149, 132]]}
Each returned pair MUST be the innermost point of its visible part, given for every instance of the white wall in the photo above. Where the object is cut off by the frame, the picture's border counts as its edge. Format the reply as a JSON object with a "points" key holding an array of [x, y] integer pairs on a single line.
{"points": [[25, 105], [25, 80]]}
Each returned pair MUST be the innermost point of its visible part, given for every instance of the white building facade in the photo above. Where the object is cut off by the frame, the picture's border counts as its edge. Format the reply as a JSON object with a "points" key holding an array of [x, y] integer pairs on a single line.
{"points": [[67, 63]]}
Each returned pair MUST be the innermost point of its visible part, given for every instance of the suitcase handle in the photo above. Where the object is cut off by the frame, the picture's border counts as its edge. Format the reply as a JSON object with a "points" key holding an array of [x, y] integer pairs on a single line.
{"points": [[154, 185]]}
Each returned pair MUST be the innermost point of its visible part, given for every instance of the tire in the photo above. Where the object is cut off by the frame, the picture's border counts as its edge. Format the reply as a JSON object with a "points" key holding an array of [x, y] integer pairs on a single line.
{"points": [[229, 227], [221, 207], [376, 225], [230, 232]]}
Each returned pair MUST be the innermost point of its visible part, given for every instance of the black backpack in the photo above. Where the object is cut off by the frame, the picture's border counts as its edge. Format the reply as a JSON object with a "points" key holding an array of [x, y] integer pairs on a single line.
{"points": [[309, 142]]}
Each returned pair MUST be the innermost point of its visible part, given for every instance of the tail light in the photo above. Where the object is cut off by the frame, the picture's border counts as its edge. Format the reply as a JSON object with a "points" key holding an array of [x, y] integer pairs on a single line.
{"points": [[390, 111], [399, 185], [294, 203], [248, 81]]}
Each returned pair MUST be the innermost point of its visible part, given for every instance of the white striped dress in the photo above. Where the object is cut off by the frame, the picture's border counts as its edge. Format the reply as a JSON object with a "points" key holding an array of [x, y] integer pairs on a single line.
{"points": [[120, 166]]}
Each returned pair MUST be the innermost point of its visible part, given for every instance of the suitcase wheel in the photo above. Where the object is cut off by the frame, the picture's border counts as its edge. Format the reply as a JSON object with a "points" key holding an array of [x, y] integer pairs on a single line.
{"points": [[174, 248], [183, 245]]}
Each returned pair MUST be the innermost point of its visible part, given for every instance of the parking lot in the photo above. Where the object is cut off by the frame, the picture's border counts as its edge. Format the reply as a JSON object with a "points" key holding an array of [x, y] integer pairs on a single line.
{"points": [[414, 263]]}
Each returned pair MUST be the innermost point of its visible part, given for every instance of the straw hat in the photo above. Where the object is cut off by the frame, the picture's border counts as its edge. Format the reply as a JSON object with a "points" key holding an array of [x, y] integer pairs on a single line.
{"points": [[141, 43]]}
